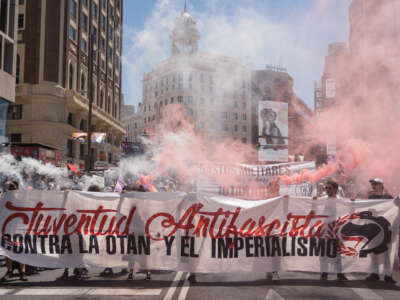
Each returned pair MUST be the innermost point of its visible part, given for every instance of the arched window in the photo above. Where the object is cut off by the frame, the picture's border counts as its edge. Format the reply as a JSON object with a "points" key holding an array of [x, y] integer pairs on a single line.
{"points": [[71, 76], [83, 82], [69, 119], [17, 69], [82, 125], [108, 104]]}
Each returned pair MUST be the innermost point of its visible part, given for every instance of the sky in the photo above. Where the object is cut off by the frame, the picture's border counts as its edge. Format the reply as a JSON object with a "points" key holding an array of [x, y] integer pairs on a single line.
{"points": [[290, 33]]}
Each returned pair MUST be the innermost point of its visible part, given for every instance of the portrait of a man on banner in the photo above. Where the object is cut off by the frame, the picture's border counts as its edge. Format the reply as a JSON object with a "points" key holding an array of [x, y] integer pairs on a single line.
{"points": [[273, 131]]}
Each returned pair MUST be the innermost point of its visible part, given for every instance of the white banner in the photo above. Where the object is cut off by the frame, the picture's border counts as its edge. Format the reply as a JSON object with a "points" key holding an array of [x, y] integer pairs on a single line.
{"points": [[191, 232]]}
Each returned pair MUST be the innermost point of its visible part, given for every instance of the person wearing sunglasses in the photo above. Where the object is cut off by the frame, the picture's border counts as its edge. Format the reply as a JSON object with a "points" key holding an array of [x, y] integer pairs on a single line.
{"points": [[331, 189]]}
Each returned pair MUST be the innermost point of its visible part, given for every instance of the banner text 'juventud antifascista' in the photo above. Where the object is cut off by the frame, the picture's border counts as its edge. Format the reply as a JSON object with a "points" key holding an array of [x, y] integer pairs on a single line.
{"points": [[194, 222]]}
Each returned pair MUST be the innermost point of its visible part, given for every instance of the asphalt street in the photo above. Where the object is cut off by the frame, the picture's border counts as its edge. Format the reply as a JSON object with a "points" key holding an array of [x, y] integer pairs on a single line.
{"points": [[175, 286]]}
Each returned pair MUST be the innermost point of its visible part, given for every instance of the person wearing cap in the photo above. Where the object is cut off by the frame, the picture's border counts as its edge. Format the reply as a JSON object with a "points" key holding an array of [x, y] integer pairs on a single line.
{"points": [[378, 192]]}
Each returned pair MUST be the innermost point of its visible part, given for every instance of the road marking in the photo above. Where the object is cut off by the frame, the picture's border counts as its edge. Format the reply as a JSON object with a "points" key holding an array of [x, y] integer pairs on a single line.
{"points": [[364, 293], [5, 291], [273, 295], [185, 288], [173, 286], [125, 292], [88, 291]]}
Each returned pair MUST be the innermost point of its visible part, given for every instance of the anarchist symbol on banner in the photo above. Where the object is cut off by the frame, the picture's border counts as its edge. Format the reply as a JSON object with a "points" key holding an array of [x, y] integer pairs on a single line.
{"points": [[370, 234], [375, 230]]}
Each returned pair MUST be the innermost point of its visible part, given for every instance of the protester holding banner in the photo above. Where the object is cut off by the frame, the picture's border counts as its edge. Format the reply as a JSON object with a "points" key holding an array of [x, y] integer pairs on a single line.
{"points": [[378, 192], [331, 188], [11, 186]]}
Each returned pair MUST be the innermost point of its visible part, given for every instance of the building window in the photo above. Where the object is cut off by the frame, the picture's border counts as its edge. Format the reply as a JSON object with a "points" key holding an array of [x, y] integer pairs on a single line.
{"points": [[69, 119], [166, 102], [103, 23], [244, 105], [236, 116], [85, 3], [110, 33], [202, 100], [84, 45], [225, 127], [103, 3], [190, 112], [190, 99], [111, 13], [73, 10], [14, 112], [82, 125], [244, 140], [236, 104], [84, 23], [83, 82], [172, 100], [102, 44], [224, 115], [71, 76], [110, 54], [70, 148], [94, 33], [21, 18], [244, 128], [244, 117], [94, 10], [15, 138], [72, 33], [236, 128], [81, 151], [21, 2], [17, 69], [180, 99], [101, 99]]}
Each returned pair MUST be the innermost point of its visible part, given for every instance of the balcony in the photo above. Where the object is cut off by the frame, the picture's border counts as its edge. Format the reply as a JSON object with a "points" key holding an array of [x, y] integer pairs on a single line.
{"points": [[78, 102]]}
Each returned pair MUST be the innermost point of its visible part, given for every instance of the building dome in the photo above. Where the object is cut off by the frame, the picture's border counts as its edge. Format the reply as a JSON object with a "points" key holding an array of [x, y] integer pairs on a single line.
{"points": [[185, 36], [187, 18]]}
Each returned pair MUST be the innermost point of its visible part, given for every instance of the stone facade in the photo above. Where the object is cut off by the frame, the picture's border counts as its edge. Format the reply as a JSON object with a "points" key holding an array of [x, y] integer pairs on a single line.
{"points": [[53, 62], [8, 51]]}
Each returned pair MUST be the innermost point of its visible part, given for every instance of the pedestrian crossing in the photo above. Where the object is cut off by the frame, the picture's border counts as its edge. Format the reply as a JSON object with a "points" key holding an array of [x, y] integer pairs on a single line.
{"points": [[80, 292]]}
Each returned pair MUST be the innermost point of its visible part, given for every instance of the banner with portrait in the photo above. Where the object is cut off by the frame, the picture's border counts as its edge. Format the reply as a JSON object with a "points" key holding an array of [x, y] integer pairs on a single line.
{"points": [[273, 131]]}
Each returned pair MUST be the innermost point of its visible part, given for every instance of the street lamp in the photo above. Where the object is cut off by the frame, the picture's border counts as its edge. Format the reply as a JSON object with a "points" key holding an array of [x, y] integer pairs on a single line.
{"points": [[88, 160]]}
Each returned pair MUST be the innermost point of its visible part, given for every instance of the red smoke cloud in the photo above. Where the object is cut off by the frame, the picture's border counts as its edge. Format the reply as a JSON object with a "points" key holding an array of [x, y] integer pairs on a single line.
{"points": [[364, 116]]}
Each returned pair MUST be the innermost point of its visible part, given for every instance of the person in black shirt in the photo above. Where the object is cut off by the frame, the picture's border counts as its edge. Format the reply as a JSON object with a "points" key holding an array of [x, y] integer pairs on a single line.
{"points": [[378, 192]]}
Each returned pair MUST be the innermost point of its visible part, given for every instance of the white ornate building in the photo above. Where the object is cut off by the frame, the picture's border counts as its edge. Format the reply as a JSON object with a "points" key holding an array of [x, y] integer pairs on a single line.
{"points": [[214, 89]]}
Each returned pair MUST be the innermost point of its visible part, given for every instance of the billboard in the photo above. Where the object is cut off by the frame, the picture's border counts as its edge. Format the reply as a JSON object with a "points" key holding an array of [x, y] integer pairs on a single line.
{"points": [[272, 131]]}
